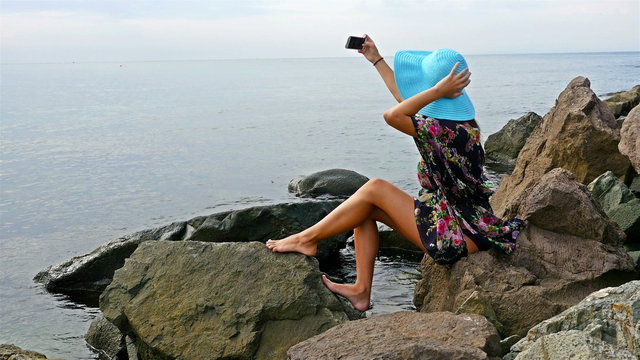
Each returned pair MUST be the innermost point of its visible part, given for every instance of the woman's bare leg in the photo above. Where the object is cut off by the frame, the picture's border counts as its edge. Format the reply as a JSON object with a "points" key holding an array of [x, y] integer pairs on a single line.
{"points": [[375, 194], [367, 243]]}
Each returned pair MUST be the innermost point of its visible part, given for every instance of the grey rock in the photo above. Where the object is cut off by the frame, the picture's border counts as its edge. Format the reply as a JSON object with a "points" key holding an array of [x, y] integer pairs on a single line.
{"points": [[391, 239], [609, 315], [106, 339], [504, 146], [622, 102], [547, 273], [339, 183], [91, 273], [579, 134], [609, 191], [404, 335], [635, 186], [573, 344], [507, 342], [197, 300], [627, 215], [13, 352], [630, 138]]}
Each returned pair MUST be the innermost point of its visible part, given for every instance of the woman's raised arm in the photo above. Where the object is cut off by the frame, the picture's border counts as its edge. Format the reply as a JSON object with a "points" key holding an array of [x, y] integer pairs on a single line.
{"points": [[371, 53]]}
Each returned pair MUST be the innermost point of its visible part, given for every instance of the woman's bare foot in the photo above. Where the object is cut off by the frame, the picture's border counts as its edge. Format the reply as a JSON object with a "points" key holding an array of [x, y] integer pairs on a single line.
{"points": [[293, 243], [360, 299]]}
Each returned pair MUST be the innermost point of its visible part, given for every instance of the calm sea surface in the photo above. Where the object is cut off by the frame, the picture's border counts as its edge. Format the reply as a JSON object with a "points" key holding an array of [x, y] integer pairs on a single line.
{"points": [[93, 151]]}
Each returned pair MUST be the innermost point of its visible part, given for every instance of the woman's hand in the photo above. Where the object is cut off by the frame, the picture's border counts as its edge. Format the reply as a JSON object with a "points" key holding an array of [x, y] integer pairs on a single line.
{"points": [[451, 85], [369, 49]]}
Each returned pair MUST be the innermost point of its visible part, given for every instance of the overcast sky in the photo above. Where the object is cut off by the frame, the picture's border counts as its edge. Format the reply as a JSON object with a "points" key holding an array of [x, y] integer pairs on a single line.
{"points": [[126, 30]]}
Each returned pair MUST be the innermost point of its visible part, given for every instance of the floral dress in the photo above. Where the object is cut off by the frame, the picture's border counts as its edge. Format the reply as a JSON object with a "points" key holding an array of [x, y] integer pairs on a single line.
{"points": [[455, 193]]}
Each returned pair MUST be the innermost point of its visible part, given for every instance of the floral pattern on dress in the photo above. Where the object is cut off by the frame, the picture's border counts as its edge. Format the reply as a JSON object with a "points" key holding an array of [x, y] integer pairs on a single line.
{"points": [[455, 193]]}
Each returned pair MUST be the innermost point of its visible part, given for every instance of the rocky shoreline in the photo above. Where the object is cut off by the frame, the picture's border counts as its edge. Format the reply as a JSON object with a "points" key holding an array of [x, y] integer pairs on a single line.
{"points": [[208, 288]]}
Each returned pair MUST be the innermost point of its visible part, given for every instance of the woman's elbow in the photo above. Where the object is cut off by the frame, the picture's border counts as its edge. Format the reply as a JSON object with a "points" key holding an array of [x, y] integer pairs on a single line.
{"points": [[391, 116]]}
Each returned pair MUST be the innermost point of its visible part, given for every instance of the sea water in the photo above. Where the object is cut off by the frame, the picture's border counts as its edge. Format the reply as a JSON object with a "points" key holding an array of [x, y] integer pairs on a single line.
{"points": [[94, 151]]}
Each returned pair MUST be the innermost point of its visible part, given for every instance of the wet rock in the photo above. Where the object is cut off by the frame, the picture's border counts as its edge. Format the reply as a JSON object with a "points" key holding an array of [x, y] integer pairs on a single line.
{"points": [[622, 102], [554, 266], [197, 300], [404, 335], [578, 134], [504, 146], [606, 322], [12, 352], [91, 273], [328, 183], [630, 138], [106, 339]]}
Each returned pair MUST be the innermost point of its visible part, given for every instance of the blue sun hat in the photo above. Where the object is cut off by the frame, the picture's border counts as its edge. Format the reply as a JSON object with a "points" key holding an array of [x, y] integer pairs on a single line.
{"points": [[416, 71]]}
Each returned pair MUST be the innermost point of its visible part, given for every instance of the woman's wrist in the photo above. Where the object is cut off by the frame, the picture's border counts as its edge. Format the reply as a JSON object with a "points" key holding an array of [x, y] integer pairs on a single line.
{"points": [[377, 61]]}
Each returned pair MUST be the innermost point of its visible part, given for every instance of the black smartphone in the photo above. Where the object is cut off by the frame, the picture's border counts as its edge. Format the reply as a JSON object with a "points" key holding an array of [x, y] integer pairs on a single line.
{"points": [[354, 42]]}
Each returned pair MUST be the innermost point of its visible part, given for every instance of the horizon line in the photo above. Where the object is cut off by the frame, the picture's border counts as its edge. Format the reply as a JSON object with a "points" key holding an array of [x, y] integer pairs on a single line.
{"points": [[297, 58]]}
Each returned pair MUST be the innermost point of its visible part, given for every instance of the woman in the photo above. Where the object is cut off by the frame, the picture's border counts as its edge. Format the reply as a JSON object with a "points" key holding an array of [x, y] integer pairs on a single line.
{"points": [[452, 217]]}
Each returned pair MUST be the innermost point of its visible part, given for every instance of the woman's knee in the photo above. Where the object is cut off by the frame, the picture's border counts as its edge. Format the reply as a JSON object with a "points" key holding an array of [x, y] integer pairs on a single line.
{"points": [[376, 184]]}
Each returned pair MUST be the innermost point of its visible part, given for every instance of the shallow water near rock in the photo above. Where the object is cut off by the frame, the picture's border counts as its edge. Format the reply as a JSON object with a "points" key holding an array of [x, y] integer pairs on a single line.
{"points": [[95, 151]]}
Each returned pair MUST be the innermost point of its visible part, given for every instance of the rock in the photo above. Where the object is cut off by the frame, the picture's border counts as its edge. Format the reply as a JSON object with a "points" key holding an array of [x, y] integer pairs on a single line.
{"points": [[478, 304], [627, 215], [504, 146], [328, 183], [622, 102], [559, 203], [12, 352], [578, 134], [404, 335], [630, 138], [197, 300], [609, 191], [91, 273], [106, 339], [610, 316], [548, 272], [507, 342], [573, 344], [635, 186], [619, 203], [390, 238]]}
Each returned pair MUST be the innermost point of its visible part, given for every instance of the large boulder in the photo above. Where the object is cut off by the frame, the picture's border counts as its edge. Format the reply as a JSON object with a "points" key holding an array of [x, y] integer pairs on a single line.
{"points": [[579, 134], [562, 256], [630, 138], [199, 300], [404, 335], [91, 273], [328, 183], [504, 146], [622, 102], [608, 319]]}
